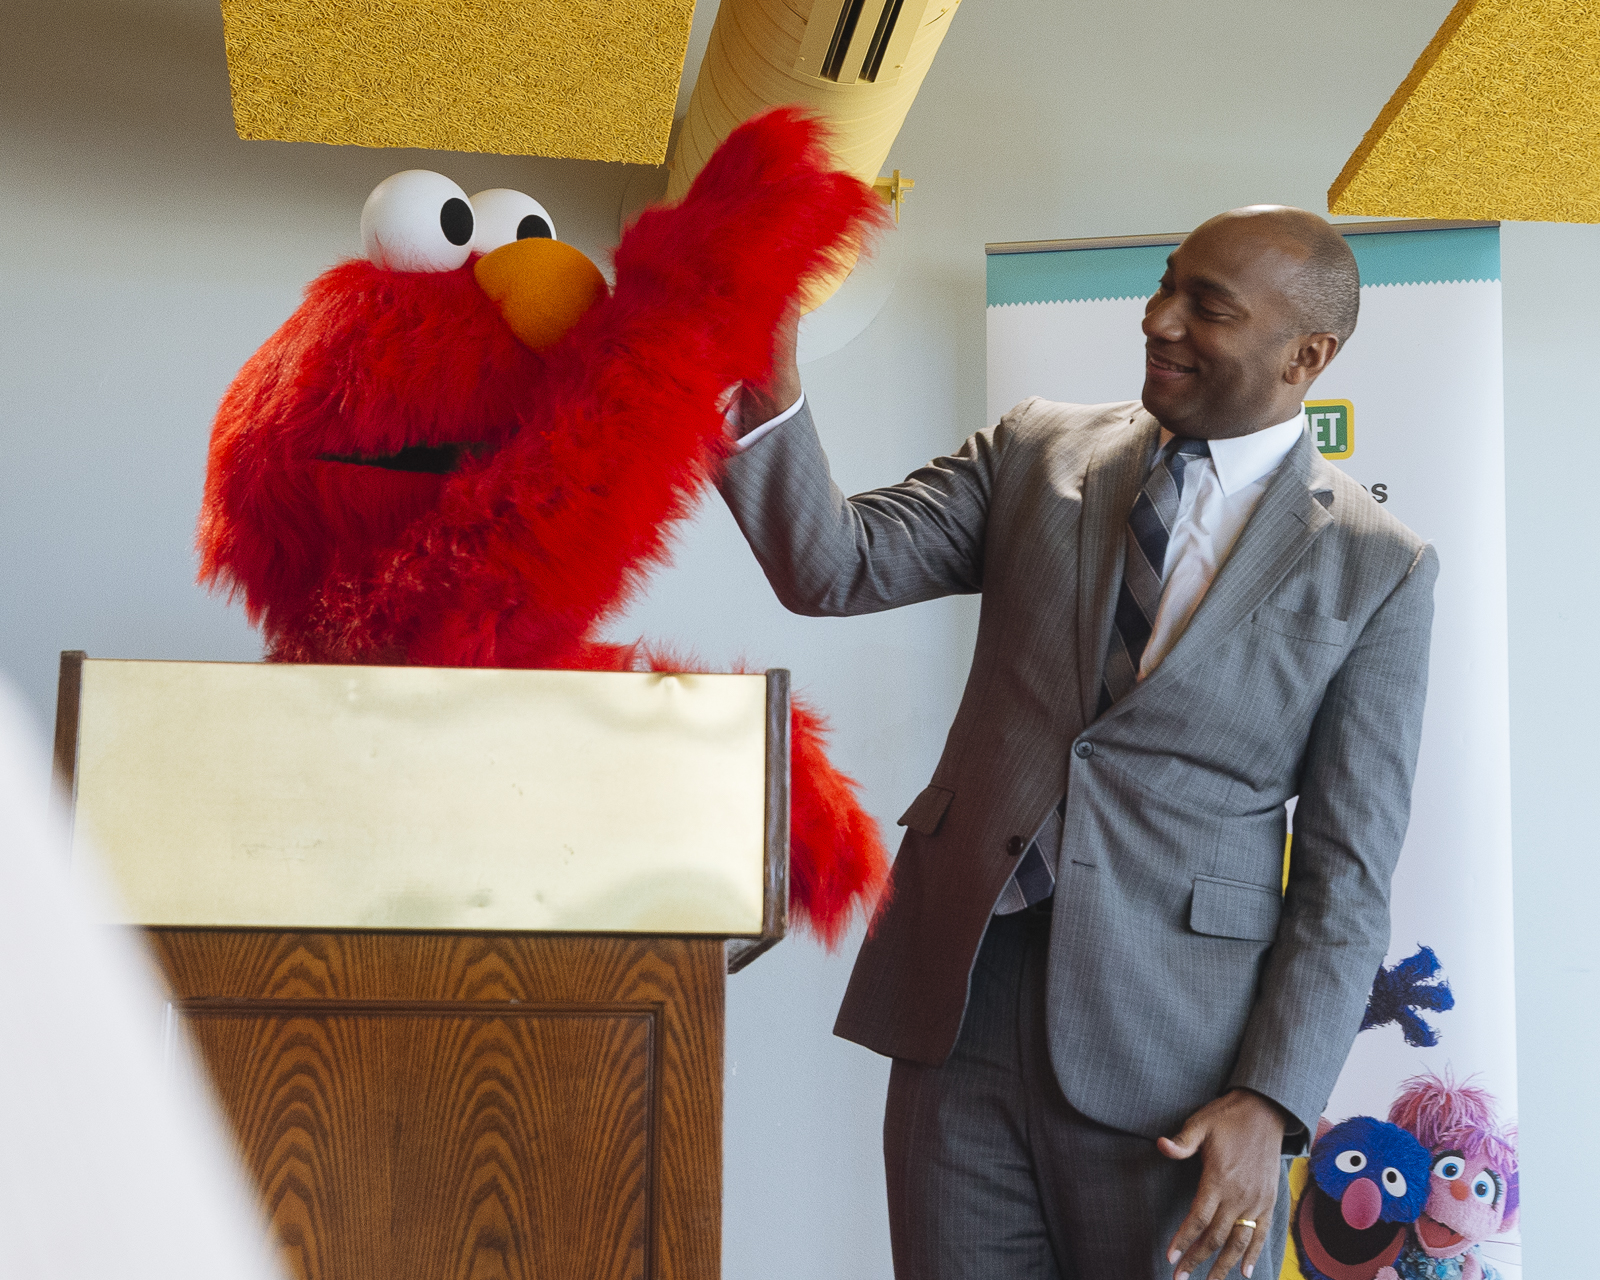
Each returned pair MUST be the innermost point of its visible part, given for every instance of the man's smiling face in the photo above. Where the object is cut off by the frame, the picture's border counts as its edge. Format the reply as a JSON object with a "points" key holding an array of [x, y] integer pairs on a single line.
{"points": [[1223, 352]]}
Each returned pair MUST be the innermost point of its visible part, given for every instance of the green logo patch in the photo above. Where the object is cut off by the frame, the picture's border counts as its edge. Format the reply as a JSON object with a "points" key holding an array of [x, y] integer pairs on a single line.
{"points": [[1333, 427]]}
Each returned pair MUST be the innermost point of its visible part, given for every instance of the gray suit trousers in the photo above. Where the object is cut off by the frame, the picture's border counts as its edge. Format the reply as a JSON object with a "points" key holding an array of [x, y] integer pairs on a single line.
{"points": [[994, 1175]]}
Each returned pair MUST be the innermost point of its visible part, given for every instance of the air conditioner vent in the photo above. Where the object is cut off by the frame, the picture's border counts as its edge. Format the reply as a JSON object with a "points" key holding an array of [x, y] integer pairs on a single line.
{"points": [[860, 41], [843, 31], [838, 62], [880, 40]]}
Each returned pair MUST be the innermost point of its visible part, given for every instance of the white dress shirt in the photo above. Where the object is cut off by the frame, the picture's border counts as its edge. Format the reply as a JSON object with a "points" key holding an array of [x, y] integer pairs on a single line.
{"points": [[743, 442], [1219, 494]]}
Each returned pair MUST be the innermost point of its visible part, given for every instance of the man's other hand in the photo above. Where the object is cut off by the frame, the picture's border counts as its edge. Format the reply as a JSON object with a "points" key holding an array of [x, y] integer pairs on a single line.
{"points": [[1239, 1139], [758, 404]]}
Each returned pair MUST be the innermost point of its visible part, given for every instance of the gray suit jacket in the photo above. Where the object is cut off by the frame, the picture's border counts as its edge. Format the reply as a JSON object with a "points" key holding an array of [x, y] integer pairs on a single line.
{"points": [[1177, 967]]}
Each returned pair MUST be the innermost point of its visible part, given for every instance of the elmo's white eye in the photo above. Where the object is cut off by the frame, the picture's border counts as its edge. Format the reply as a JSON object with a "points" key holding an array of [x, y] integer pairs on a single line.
{"points": [[1350, 1162], [505, 215], [1449, 1168], [417, 221], [1394, 1182]]}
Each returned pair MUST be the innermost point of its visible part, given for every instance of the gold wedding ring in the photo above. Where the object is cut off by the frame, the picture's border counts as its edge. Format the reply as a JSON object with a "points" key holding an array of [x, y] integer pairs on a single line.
{"points": [[1245, 1222]]}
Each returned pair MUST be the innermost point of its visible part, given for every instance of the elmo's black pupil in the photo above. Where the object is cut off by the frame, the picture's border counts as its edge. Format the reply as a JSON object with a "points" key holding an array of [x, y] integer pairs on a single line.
{"points": [[533, 227], [455, 220]]}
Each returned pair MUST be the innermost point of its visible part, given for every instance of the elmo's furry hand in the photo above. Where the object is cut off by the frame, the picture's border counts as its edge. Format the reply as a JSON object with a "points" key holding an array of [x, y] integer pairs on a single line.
{"points": [[464, 451]]}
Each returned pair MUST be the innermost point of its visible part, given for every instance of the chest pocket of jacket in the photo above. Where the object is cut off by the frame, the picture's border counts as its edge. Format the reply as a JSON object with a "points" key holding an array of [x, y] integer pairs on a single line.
{"points": [[1315, 627], [927, 810], [1234, 909]]}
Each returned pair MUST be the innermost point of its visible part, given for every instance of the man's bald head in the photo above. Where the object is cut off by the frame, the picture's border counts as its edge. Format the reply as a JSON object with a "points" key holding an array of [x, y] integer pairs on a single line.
{"points": [[1326, 290], [1250, 310]]}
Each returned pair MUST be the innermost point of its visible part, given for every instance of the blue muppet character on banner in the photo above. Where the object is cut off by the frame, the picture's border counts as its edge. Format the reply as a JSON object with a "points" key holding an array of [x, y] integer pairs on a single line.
{"points": [[1369, 1181]]}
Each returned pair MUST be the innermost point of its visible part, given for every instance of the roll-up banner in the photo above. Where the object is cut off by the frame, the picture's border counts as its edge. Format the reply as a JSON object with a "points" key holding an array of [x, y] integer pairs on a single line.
{"points": [[1412, 409]]}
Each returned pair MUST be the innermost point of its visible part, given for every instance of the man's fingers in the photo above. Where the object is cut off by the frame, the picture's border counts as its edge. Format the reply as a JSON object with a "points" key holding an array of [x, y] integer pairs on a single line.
{"points": [[1240, 1239], [787, 335], [1258, 1242], [1192, 1228], [1232, 1250], [1225, 1236], [1212, 1237], [786, 345]]}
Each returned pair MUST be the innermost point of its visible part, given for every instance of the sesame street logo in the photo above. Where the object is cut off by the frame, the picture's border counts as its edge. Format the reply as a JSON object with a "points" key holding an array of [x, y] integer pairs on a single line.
{"points": [[1333, 428]]}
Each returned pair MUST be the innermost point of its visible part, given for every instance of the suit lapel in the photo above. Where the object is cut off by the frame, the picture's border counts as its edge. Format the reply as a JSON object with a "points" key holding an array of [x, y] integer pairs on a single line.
{"points": [[1282, 528], [1115, 475]]}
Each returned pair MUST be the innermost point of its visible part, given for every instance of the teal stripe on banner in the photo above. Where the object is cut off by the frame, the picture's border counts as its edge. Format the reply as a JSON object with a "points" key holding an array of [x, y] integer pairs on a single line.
{"points": [[1428, 257], [1076, 275], [1385, 257]]}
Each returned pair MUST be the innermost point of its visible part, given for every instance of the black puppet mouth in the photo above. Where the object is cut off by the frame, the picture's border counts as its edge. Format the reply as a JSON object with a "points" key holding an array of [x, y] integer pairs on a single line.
{"points": [[428, 459], [1344, 1243]]}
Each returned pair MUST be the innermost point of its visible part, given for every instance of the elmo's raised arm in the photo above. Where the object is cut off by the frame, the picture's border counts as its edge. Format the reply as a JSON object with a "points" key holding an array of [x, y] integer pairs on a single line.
{"points": [[529, 550]]}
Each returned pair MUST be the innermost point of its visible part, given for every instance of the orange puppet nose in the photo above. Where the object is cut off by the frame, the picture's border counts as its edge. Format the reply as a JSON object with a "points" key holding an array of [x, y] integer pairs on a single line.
{"points": [[541, 287]]}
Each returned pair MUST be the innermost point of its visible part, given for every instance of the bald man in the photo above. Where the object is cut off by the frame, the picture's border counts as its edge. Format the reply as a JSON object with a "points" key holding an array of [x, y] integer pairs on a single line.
{"points": [[1109, 1019]]}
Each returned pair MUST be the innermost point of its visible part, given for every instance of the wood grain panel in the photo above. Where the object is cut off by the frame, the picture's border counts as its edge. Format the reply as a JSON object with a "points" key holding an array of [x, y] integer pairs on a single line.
{"points": [[469, 1107]]}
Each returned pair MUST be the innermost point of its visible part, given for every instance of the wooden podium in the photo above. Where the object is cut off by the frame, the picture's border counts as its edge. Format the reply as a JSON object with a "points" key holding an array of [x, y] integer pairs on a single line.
{"points": [[452, 944]]}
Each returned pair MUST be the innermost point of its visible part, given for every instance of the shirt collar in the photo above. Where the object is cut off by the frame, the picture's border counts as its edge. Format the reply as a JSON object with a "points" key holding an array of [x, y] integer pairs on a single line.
{"points": [[1242, 460]]}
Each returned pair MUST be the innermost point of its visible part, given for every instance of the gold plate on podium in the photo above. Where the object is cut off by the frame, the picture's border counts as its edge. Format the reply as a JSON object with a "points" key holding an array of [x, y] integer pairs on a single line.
{"points": [[334, 797]]}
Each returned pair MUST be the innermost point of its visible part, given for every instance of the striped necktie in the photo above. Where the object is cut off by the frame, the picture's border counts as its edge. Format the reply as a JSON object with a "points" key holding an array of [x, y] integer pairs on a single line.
{"points": [[1150, 523]]}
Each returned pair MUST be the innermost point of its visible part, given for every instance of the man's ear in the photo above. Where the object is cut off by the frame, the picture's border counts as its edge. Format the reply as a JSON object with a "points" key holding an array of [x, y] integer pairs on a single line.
{"points": [[1309, 357]]}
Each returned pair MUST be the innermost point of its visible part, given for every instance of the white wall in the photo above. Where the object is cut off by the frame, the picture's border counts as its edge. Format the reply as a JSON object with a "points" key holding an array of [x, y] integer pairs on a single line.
{"points": [[146, 252]]}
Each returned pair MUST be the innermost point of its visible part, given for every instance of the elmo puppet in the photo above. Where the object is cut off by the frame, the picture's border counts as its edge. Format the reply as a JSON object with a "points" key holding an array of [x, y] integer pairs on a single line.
{"points": [[464, 450]]}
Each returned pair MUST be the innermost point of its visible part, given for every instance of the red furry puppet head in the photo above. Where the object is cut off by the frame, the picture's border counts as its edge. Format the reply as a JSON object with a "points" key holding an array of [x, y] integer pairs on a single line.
{"points": [[464, 450]]}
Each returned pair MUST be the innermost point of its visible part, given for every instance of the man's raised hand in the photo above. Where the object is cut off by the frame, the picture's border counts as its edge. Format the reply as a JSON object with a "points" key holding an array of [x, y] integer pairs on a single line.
{"points": [[758, 404]]}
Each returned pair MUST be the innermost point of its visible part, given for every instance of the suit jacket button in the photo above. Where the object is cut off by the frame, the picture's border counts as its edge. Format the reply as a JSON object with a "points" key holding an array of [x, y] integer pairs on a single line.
{"points": [[1014, 846], [1083, 750]]}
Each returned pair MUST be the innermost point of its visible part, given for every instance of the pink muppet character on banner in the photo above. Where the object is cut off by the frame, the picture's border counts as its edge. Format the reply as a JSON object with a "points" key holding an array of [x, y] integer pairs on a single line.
{"points": [[1472, 1187]]}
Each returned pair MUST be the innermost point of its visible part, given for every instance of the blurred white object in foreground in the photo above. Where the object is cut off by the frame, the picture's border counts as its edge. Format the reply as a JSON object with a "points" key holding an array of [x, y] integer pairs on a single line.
{"points": [[113, 1161]]}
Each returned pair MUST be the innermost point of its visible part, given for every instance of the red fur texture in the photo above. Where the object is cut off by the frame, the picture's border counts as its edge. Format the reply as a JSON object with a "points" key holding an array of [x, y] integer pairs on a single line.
{"points": [[575, 461]]}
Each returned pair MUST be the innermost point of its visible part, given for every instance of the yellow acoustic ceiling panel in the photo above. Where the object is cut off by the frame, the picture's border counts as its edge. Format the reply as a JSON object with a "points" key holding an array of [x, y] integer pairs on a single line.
{"points": [[1500, 118], [590, 79]]}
